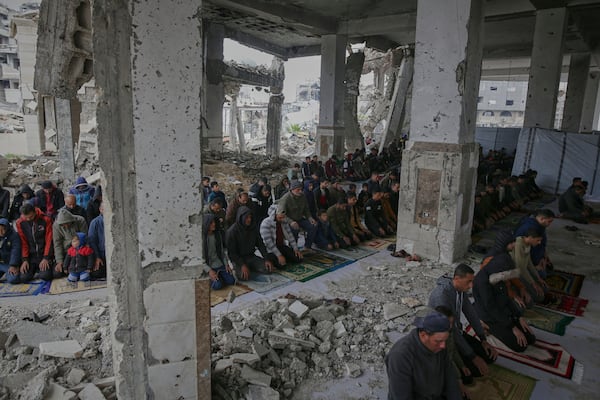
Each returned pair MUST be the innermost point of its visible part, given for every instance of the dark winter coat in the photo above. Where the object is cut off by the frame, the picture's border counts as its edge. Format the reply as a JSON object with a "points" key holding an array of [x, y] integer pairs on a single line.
{"points": [[36, 237], [10, 246], [243, 240], [57, 199], [4, 202], [81, 258], [15, 208]]}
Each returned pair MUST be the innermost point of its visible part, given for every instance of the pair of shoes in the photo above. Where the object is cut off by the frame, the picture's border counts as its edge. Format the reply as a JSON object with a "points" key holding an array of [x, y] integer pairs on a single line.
{"points": [[400, 253]]}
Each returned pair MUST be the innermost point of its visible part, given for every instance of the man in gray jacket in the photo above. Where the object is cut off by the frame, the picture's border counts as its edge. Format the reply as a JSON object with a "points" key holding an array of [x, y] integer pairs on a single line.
{"points": [[295, 207], [275, 231], [450, 293], [63, 230]]}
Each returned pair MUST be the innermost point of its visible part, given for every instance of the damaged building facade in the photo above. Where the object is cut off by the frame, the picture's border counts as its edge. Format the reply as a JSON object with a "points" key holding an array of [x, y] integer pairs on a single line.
{"points": [[161, 84]]}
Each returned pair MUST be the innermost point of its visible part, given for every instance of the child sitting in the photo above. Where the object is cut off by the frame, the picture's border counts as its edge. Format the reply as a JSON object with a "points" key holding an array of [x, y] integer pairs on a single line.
{"points": [[325, 238], [79, 259]]}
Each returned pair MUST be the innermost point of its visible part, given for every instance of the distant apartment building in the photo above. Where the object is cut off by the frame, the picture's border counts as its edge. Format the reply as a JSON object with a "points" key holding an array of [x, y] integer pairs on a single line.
{"points": [[501, 104], [308, 91], [10, 94]]}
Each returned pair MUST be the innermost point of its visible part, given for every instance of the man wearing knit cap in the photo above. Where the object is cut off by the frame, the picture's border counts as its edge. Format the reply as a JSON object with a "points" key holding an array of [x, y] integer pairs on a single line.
{"points": [[295, 207], [418, 365]]}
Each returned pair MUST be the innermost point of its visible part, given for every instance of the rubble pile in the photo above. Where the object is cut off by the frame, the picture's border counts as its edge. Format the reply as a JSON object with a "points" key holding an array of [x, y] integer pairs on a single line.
{"points": [[32, 170], [267, 351], [56, 353]]}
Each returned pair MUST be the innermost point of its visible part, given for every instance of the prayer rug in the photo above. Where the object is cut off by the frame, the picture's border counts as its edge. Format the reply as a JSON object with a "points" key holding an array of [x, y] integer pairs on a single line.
{"points": [[352, 253], [377, 244], [219, 296], [548, 357], [303, 272], [326, 261], [565, 282], [23, 289], [262, 283], [566, 304], [547, 320], [62, 285], [502, 384]]}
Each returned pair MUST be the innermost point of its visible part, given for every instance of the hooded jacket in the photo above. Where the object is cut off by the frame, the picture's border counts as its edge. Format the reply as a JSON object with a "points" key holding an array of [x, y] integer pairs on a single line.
{"points": [[36, 237], [243, 240], [4, 202], [268, 232], [10, 246], [81, 258], [492, 301], [18, 200], [56, 198], [261, 204], [96, 237], [63, 230], [93, 207], [83, 192], [537, 252], [207, 220]]}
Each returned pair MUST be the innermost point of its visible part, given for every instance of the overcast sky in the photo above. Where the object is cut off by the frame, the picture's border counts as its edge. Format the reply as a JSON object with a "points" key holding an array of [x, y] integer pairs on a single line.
{"points": [[297, 70]]}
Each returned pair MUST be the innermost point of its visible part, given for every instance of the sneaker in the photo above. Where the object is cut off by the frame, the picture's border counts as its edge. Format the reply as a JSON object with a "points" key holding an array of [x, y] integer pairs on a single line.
{"points": [[84, 276], [72, 277]]}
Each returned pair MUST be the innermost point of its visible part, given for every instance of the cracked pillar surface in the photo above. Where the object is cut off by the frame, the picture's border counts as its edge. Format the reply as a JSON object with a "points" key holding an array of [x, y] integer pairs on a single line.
{"points": [[545, 69], [439, 165], [354, 67], [578, 74], [330, 131], [591, 103], [274, 110], [214, 91], [149, 112], [67, 114]]}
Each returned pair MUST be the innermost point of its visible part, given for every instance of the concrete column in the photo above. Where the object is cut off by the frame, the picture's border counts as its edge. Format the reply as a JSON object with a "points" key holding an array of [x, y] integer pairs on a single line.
{"points": [[545, 69], [149, 71], [330, 131], [578, 74], [352, 133], [214, 92], [67, 128], [274, 110], [439, 166], [589, 118]]}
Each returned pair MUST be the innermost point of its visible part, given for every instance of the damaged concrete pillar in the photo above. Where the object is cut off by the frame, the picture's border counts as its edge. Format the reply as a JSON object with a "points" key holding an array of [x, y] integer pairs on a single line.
{"points": [[545, 69], [67, 129], [274, 110], [149, 72], [397, 111], [330, 131], [578, 74], [590, 109], [214, 91], [439, 165], [353, 134]]}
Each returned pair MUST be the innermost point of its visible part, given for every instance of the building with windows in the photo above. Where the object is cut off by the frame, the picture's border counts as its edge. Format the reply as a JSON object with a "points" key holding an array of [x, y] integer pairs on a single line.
{"points": [[10, 95]]}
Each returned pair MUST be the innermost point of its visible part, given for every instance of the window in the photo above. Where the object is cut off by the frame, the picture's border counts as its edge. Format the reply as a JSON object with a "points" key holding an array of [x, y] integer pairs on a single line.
{"points": [[487, 114], [492, 102], [506, 114], [510, 102], [493, 88]]}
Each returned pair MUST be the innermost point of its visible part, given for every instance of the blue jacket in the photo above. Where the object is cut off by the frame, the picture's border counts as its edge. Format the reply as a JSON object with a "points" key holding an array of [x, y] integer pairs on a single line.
{"points": [[537, 252], [83, 191], [96, 237], [325, 234], [10, 246]]}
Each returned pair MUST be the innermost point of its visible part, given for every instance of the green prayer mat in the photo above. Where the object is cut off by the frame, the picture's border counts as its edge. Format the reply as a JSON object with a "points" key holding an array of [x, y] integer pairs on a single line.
{"points": [[302, 272], [502, 384], [547, 320]]}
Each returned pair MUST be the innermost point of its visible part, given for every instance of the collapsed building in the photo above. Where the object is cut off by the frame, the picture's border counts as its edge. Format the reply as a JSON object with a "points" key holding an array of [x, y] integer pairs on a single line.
{"points": [[160, 87]]}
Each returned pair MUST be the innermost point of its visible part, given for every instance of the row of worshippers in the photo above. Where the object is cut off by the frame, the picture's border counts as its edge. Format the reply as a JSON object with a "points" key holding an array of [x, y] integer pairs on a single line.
{"points": [[230, 242], [440, 358], [571, 204], [498, 200], [51, 237]]}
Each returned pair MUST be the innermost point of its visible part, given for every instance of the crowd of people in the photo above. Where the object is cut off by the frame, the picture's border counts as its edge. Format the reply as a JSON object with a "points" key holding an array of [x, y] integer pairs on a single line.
{"points": [[48, 234], [311, 200]]}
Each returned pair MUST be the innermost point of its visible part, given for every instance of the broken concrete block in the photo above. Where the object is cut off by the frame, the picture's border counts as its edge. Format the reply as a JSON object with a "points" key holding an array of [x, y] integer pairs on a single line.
{"points": [[259, 349], [91, 392], [246, 333], [63, 349], [279, 340], [223, 364], [57, 392], [339, 329], [393, 310], [75, 376], [353, 370], [324, 329], [245, 358], [358, 299], [33, 333], [321, 314], [24, 360], [411, 302], [256, 392], [38, 386], [255, 377], [394, 336], [290, 332], [298, 309]]}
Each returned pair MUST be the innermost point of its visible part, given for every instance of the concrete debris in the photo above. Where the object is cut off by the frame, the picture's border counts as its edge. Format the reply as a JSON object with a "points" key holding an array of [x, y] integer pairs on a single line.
{"points": [[393, 310], [91, 392], [33, 333], [57, 392], [298, 309], [255, 377], [64, 349], [75, 376], [37, 387], [256, 392]]}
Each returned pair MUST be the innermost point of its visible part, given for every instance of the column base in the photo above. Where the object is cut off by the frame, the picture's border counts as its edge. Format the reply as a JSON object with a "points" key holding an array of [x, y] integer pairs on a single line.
{"points": [[330, 140], [435, 212]]}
